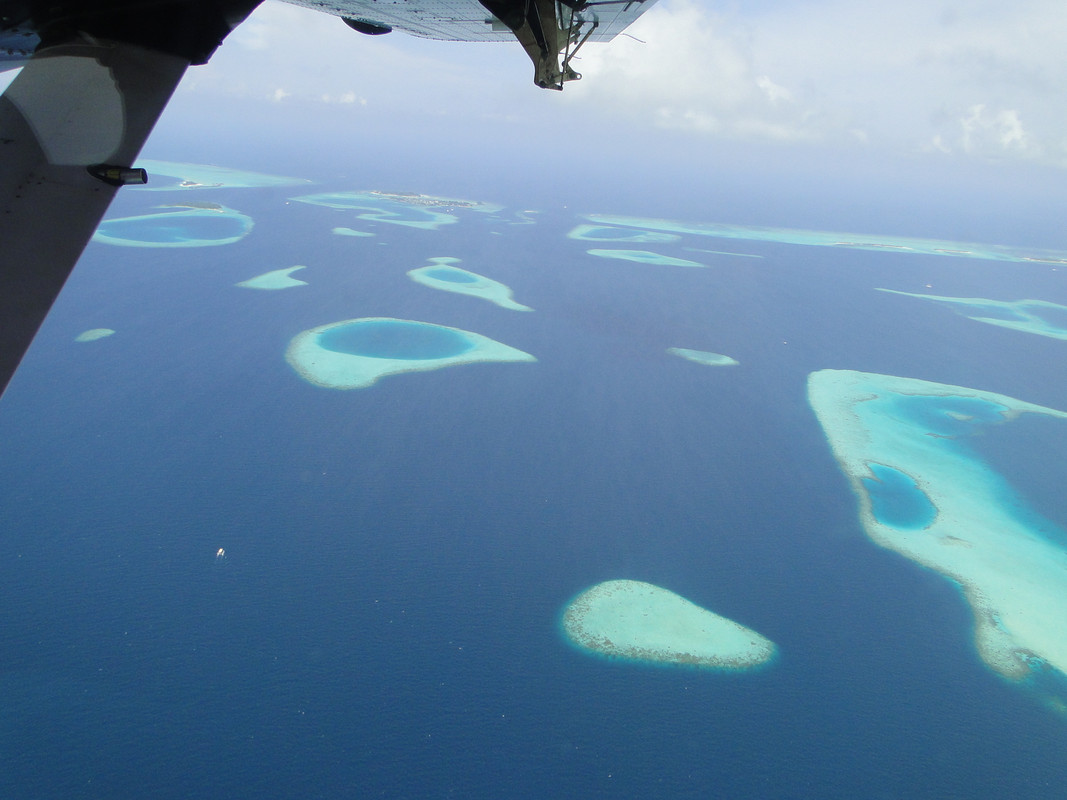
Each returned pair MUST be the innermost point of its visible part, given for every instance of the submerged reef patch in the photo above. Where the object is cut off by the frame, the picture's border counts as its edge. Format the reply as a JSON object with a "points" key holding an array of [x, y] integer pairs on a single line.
{"points": [[645, 257], [608, 233], [704, 357], [1028, 316], [639, 621], [93, 334], [204, 176], [849, 241], [275, 279]]}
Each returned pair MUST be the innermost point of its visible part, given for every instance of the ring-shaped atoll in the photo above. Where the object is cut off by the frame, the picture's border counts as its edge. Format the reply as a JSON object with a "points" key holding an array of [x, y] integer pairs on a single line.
{"points": [[191, 225], [442, 273], [356, 353], [923, 493], [637, 621]]}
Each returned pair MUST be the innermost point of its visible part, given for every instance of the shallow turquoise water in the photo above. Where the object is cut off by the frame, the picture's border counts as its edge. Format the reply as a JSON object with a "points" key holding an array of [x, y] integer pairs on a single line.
{"points": [[451, 275]]}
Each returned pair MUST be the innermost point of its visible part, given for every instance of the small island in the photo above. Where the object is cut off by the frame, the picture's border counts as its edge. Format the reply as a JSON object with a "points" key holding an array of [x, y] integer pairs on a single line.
{"points": [[637, 621], [645, 257], [704, 357], [444, 275], [356, 353], [273, 280]]}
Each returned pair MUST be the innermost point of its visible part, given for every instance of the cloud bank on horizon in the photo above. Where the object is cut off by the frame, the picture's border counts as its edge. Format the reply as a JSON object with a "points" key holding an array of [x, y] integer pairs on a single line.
{"points": [[982, 79]]}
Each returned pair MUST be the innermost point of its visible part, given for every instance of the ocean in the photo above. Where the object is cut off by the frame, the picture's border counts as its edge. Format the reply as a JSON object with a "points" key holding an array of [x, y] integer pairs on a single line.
{"points": [[385, 621]]}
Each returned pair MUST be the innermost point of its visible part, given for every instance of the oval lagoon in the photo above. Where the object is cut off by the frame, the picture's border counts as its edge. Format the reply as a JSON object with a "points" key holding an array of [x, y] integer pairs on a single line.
{"points": [[896, 500], [396, 339], [188, 227]]}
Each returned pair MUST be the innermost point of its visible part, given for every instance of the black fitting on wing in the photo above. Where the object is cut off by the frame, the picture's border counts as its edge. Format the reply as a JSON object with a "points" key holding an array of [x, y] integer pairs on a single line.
{"points": [[366, 26], [115, 175]]}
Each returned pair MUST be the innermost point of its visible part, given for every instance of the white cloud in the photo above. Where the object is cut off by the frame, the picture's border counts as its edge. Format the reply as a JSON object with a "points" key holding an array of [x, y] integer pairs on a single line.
{"points": [[695, 70], [892, 75], [902, 76]]}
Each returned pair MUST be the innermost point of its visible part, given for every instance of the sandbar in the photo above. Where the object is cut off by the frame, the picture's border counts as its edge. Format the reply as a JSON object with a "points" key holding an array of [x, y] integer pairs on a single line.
{"points": [[645, 257], [1011, 566], [1028, 316], [704, 357], [355, 353], [638, 621], [847, 241], [351, 232], [442, 273], [93, 334], [275, 279]]}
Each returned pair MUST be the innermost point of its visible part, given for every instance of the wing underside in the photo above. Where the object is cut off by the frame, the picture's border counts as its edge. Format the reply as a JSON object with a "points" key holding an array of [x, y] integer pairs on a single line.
{"points": [[468, 20]]}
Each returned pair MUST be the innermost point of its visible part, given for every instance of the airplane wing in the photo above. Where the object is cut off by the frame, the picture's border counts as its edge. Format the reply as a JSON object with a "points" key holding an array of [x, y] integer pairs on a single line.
{"points": [[469, 20], [96, 74]]}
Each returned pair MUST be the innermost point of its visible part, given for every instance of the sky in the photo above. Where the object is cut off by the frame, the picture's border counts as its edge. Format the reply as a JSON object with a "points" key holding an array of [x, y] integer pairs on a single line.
{"points": [[975, 80], [942, 103]]}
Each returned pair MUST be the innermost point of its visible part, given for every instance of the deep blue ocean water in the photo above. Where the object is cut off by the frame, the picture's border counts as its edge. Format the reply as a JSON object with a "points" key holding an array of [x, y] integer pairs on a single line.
{"points": [[386, 620]]}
